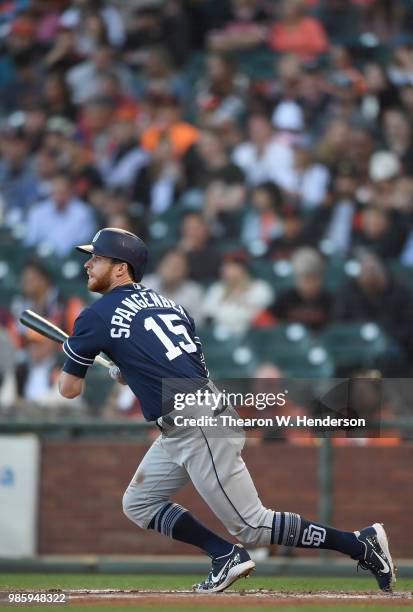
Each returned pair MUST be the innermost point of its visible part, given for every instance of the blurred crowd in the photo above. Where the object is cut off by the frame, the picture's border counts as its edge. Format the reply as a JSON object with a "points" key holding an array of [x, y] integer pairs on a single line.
{"points": [[231, 135]]}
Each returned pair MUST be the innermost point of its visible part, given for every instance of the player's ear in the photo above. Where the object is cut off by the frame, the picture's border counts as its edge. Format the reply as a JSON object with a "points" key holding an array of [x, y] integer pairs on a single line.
{"points": [[119, 268], [123, 268]]}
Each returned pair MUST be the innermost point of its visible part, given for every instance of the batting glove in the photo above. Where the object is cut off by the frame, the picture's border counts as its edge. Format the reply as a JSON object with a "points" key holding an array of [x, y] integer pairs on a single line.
{"points": [[116, 374]]}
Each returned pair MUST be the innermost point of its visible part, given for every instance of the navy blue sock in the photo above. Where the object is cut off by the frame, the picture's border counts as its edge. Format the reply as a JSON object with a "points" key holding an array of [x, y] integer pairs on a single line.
{"points": [[292, 529], [177, 523]]}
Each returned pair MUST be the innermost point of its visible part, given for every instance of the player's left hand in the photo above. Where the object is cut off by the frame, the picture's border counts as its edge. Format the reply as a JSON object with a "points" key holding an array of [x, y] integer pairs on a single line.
{"points": [[116, 374]]}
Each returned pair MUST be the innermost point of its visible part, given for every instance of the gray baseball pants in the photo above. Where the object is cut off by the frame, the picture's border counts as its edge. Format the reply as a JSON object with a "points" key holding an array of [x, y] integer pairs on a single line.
{"points": [[212, 461]]}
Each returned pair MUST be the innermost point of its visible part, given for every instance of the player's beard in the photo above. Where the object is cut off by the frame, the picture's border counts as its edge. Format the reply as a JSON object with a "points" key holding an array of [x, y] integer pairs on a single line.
{"points": [[101, 283]]}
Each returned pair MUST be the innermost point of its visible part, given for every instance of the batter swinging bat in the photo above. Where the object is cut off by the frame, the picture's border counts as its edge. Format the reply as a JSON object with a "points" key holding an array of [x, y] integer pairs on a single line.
{"points": [[48, 329]]}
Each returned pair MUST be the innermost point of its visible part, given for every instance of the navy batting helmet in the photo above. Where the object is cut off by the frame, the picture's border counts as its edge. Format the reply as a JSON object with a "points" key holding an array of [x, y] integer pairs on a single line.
{"points": [[119, 244]]}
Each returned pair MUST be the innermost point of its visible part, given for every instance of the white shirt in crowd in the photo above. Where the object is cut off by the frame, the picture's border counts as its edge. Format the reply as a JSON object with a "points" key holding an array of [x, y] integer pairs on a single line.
{"points": [[38, 379], [271, 165], [310, 185], [236, 312]]}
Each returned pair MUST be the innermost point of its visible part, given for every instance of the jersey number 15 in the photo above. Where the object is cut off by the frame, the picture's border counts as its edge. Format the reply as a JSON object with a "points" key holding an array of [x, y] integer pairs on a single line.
{"points": [[170, 321]]}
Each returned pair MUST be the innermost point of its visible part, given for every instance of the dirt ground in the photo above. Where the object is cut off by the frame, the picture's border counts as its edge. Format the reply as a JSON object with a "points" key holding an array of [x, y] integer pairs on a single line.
{"points": [[230, 599]]}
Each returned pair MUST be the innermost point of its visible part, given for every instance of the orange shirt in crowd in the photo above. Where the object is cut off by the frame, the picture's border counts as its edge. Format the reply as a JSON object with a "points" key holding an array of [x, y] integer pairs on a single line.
{"points": [[306, 38], [181, 135]]}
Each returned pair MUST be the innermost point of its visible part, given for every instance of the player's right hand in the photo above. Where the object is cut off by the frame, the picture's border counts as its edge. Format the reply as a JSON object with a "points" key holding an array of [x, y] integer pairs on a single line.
{"points": [[116, 374]]}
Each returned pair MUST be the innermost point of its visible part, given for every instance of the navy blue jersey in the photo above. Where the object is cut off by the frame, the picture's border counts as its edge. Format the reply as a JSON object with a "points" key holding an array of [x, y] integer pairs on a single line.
{"points": [[146, 335]]}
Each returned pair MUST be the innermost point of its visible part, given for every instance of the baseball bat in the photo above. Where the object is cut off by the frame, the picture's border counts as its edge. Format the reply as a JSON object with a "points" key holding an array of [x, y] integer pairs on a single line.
{"points": [[46, 328]]}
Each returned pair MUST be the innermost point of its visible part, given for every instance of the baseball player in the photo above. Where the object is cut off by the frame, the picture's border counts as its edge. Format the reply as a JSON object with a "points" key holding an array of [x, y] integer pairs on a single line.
{"points": [[149, 338]]}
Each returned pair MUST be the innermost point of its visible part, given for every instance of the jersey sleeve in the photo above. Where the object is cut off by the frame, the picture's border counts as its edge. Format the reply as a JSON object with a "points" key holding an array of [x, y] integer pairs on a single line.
{"points": [[86, 342]]}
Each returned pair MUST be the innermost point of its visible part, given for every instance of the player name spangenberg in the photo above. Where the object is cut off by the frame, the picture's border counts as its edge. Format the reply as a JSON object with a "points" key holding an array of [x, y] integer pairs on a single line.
{"points": [[277, 421]]}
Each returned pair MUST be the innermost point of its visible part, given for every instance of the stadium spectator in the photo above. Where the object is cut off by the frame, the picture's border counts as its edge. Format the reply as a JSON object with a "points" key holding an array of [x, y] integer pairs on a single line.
{"points": [[314, 96], [158, 76], [125, 159], [380, 93], [91, 20], [165, 121], [159, 183], [333, 146], [343, 68], [125, 221], [47, 15], [57, 97], [221, 94], [18, 181], [308, 302], [294, 234], [61, 221], [244, 28], [375, 295], [236, 299], [384, 170], [122, 403], [9, 11], [382, 18], [307, 180], [35, 119], [332, 223], [209, 169], [77, 163], [370, 397], [21, 83], [36, 376], [63, 55], [381, 231], [263, 221], [109, 87], [397, 137], [171, 280], [288, 120], [46, 166], [360, 149], [261, 157], [109, 202], [83, 78], [341, 20], [297, 32], [56, 132], [95, 117], [39, 293], [151, 24], [196, 242]]}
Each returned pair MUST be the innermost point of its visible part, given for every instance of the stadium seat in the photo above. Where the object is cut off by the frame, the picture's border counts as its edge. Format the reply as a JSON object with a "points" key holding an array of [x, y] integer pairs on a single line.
{"points": [[258, 64], [277, 273], [292, 349], [8, 281], [336, 273], [354, 345], [166, 224], [403, 273], [226, 356]]}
